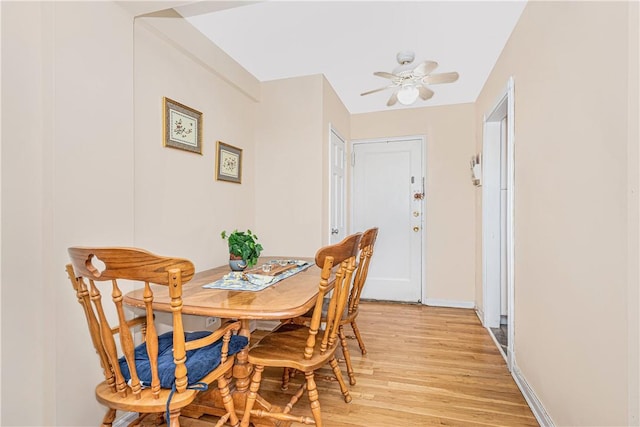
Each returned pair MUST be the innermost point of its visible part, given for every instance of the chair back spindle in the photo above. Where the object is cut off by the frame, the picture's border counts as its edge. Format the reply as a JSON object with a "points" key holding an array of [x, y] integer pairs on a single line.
{"points": [[366, 252], [84, 299], [340, 257]]}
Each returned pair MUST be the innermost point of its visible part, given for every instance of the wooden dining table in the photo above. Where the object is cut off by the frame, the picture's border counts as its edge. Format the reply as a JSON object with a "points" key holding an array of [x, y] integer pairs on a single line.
{"points": [[286, 299]]}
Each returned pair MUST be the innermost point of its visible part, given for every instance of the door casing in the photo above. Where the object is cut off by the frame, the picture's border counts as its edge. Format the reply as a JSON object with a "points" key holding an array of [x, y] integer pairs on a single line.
{"points": [[491, 165], [337, 197]]}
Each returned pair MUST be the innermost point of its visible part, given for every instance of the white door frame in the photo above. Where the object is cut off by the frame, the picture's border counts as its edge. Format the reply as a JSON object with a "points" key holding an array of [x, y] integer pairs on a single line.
{"points": [[423, 222], [330, 175], [504, 107]]}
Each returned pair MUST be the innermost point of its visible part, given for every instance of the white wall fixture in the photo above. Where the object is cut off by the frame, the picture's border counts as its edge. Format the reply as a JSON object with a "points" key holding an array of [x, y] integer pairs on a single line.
{"points": [[476, 170]]}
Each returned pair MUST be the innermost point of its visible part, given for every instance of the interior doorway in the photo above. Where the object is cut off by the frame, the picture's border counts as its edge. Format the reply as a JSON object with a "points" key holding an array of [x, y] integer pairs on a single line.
{"points": [[497, 223]]}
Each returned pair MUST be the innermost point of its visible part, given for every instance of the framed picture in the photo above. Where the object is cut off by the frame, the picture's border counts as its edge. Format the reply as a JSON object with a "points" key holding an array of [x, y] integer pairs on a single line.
{"points": [[228, 163], [182, 126]]}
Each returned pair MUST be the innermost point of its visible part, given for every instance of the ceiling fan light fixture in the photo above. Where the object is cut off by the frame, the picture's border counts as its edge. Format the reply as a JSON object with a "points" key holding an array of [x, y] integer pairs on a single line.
{"points": [[411, 81], [407, 94]]}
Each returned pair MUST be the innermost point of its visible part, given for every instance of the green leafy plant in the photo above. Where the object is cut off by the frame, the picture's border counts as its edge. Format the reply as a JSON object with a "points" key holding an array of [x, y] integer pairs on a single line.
{"points": [[243, 244]]}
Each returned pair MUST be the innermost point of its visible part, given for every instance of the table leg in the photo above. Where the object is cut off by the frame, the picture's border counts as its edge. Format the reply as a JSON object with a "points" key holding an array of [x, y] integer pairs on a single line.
{"points": [[242, 369]]}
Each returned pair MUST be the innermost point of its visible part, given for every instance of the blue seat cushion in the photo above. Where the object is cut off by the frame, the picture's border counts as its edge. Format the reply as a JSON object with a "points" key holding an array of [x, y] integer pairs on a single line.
{"points": [[199, 362]]}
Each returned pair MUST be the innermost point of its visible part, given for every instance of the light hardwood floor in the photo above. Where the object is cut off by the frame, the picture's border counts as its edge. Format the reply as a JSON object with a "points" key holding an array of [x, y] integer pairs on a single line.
{"points": [[425, 366]]}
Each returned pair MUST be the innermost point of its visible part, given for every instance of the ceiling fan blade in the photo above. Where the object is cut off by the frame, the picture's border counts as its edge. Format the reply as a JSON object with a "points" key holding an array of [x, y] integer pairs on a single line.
{"points": [[385, 75], [425, 68], [425, 93], [393, 99], [440, 78], [376, 90]]}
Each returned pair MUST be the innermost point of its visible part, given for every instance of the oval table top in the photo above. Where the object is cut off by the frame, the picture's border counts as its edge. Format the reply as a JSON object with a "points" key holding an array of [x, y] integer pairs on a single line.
{"points": [[288, 298]]}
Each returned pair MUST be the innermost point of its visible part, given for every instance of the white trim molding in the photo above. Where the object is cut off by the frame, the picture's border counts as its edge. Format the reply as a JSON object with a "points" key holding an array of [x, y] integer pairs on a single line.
{"points": [[532, 399], [449, 303], [125, 419], [498, 226]]}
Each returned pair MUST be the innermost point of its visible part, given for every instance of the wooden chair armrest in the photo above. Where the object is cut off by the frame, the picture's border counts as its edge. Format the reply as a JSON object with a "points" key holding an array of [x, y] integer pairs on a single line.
{"points": [[225, 328], [141, 320]]}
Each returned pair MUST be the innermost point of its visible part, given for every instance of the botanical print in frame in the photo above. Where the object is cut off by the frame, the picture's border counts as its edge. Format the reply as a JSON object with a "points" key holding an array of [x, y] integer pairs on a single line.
{"points": [[182, 126], [228, 163]]}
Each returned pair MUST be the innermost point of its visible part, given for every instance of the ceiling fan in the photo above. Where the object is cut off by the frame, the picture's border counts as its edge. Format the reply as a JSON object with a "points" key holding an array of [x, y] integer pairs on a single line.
{"points": [[411, 81]]}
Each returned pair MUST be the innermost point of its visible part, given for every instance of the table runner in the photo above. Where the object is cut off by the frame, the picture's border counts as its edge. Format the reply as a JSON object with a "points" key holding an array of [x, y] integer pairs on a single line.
{"points": [[235, 281]]}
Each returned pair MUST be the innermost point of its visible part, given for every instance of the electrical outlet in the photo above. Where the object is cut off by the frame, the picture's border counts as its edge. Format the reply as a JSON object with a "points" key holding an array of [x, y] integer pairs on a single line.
{"points": [[210, 321]]}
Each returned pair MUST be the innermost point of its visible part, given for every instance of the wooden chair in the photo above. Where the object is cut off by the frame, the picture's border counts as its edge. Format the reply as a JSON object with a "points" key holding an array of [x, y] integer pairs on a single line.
{"points": [[165, 372], [295, 346], [349, 317], [350, 314]]}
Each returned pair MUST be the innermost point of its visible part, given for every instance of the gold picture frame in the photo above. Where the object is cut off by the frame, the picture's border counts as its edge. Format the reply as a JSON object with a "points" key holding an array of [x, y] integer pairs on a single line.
{"points": [[228, 163], [182, 126]]}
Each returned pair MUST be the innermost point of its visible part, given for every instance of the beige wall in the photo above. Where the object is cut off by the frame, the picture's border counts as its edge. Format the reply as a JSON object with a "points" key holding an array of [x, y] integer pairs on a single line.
{"points": [[292, 147], [23, 53], [450, 207], [633, 214], [67, 179], [179, 206], [289, 180], [569, 61]]}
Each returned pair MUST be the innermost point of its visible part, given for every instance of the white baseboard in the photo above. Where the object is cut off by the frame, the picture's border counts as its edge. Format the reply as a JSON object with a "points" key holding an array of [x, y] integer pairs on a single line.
{"points": [[532, 399], [480, 315], [265, 325], [449, 303], [125, 419]]}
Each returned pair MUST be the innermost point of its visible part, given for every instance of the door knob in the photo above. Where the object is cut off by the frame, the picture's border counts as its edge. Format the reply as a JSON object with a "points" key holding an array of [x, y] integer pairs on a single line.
{"points": [[334, 231], [416, 228]]}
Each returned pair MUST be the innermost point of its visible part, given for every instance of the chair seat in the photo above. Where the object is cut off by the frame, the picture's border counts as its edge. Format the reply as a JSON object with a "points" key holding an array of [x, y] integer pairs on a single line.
{"points": [[200, 362], [325, 309], [276, 349], [147, 403]]}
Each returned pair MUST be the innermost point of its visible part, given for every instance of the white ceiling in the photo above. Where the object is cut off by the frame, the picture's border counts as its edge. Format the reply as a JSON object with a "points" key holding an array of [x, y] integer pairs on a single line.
{"points": [[348, 40]]}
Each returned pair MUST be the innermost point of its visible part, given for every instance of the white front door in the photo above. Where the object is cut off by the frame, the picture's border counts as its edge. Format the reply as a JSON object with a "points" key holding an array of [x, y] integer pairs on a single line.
{"points": [[388, 193], [337, 214]]}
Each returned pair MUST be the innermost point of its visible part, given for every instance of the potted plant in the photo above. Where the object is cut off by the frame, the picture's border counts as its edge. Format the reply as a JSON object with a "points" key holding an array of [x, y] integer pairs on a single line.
{"points": [[243, 249]]}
